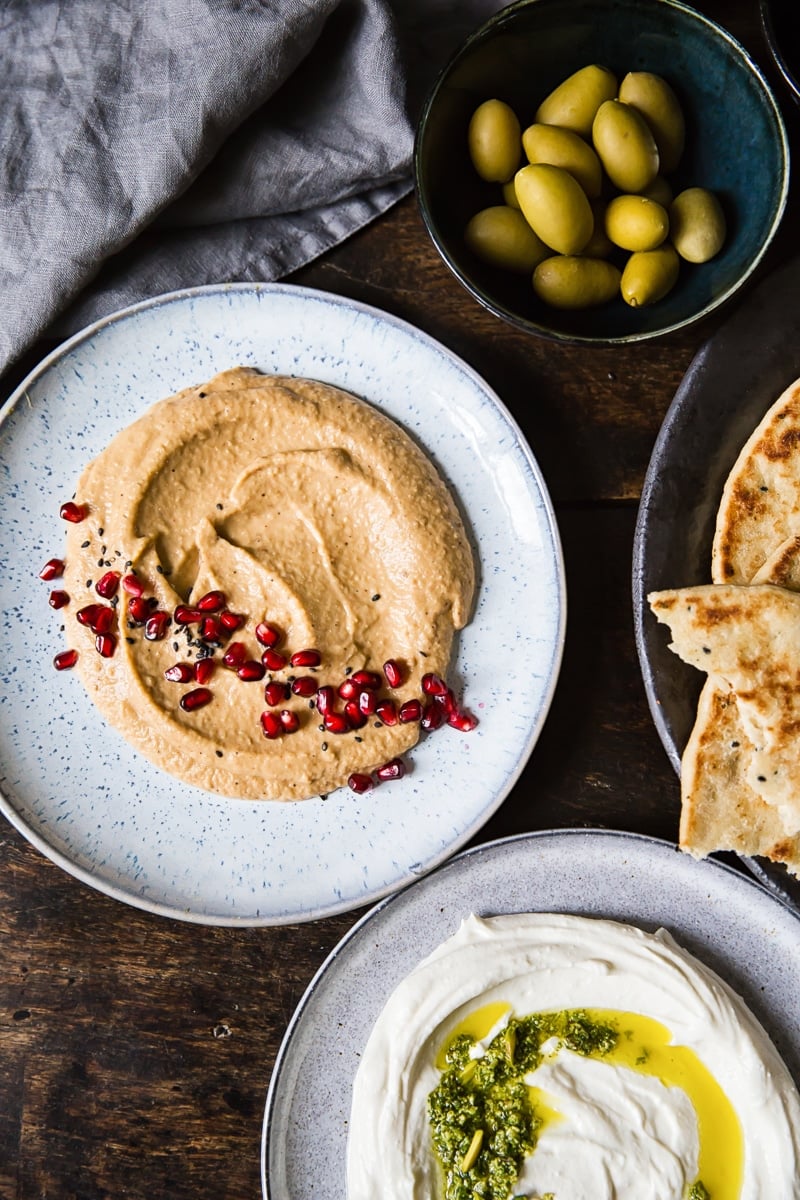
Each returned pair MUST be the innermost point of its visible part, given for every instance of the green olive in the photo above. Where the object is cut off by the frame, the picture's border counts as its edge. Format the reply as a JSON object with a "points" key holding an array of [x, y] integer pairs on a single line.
{"points": [[697, 224], [510, 194], [494, 141], [574, 102], [653, 97], [648, 275], [659, 190], [501, 236], [564, 148], [636, 223], [626, 147], [575, 281], [555, 206]]}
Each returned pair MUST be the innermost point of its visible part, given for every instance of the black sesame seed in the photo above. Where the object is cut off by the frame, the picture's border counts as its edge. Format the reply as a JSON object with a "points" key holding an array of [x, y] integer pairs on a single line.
{"points": [[130, 641], [88, 583], [85, 544], [219, 753], [358, 739], [219, 507], [321, 728], [159, 568], [377, 596], [324, 745]]}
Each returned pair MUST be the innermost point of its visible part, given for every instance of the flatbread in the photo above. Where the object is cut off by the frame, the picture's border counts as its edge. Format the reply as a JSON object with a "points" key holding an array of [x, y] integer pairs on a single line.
{"points": [[719, 810], [760, 506], [747, 637]]}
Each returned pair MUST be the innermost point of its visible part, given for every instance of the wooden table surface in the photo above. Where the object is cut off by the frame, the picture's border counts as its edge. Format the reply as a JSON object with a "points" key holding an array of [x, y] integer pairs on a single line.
{"points": [[135, 1052]]}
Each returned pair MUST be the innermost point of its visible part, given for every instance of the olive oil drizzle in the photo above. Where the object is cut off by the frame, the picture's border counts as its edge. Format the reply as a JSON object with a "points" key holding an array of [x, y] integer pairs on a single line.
{"points": [[485, 1119]]}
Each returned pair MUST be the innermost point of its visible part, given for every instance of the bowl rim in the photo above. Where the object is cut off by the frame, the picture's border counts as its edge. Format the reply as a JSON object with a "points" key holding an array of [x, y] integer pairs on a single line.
{"points": [[790, 78], [485, 30]]}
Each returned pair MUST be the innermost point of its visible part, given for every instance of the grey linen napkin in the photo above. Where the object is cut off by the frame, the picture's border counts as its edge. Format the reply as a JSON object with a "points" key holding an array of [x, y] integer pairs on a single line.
{"points": [[150, 145]]}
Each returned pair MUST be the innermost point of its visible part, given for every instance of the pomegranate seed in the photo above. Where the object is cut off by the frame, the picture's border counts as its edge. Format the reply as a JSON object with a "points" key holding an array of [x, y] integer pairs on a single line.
{"points": [[348, 690], [271, 724], [251, 671], [325, 699], [336, 722], [139, 609], [211, 602], [204, 669], [98, 617], [433, 685], [88, 614], [230, 621], [105, 644], [156, 626], [72, 512], [432, 715], [267, 634], [65, 659], [355, 717], [187, 616], [464, 722], [386, 712], [360, 783], [367, 703], [306, 658], [58, 599], [394, 676], [52, 569], [289, 720], [107, 585], [273, 661], [103, 619], [395, 768], [447, 701], [304, 685], [276, 692], [235, 655], [197, 698], [366, 679], [410, 711], [210, 629], [180, 673], [132, 585]]}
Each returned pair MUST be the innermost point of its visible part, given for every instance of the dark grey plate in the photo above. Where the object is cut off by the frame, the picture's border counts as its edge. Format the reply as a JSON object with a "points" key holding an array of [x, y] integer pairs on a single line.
{"points": [[732, 381]]}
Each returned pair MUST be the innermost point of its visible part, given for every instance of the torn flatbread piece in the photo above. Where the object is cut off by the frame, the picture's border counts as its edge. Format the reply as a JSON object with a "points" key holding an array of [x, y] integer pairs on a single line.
{"points": [[719, 810], [747, 639]]}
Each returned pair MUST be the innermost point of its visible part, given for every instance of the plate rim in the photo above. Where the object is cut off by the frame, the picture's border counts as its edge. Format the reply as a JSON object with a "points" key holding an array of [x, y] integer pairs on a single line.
{"points": [[407, 329], [458, 862]]}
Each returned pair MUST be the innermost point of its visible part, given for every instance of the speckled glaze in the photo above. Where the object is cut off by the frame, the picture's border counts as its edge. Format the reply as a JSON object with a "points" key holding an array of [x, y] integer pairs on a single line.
{"points": [[735, 136], [734, 378], [720, 915], [75, 788]]}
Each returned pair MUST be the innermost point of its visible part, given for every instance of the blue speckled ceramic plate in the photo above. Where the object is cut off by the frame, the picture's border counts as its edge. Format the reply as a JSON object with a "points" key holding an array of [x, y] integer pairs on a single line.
{"points": [[716, 913], [75, 788]]}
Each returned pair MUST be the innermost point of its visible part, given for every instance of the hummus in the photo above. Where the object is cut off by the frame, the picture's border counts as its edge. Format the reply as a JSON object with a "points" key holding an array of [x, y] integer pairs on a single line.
{"points": [[639, 1072], [307, 509]]}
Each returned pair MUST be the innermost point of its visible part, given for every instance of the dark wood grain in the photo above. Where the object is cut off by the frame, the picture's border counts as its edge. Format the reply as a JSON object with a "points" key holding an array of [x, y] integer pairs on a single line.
{"points": [[135, 1052]]}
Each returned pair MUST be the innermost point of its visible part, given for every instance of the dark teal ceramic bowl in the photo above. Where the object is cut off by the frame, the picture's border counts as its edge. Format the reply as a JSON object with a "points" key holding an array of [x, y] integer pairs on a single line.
{"points": [[736, 145]]}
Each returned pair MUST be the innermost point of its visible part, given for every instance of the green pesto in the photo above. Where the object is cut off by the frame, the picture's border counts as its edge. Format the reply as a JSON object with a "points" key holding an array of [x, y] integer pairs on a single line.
{"points": [[490, 1094]]}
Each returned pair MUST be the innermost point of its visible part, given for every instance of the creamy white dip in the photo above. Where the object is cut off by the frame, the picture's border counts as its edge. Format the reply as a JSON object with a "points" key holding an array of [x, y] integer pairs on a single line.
{"points": [[618, 1132]]}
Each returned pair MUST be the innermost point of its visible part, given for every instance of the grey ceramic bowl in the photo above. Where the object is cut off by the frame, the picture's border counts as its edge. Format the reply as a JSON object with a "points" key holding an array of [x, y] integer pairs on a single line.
{"points": [[736, 145]]}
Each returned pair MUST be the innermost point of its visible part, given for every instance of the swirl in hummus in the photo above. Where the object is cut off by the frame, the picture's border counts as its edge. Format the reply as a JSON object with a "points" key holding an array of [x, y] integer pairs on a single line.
{"points": [[621, 1068], [306, 507]]}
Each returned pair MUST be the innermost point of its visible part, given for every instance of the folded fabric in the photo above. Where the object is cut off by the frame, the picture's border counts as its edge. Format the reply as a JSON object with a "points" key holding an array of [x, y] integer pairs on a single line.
{"points": [[150, 145]]}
